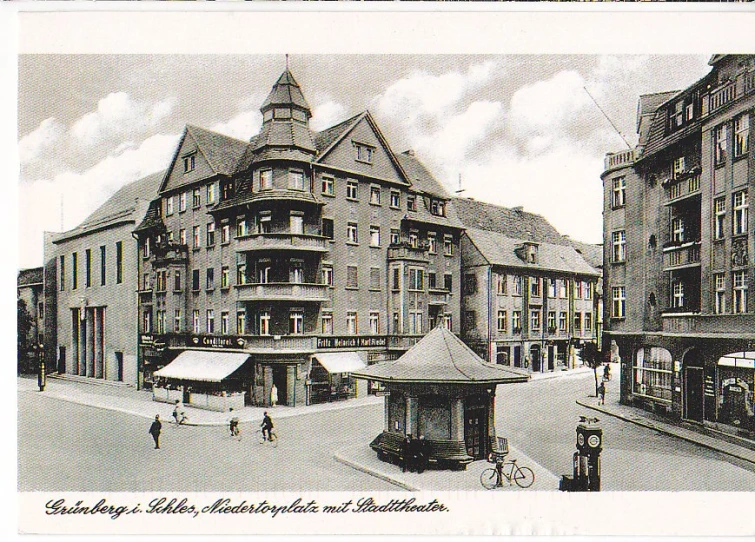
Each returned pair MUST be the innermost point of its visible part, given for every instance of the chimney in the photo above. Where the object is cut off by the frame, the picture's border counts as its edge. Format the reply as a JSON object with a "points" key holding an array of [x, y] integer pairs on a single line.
{"points": [[409, 152]]}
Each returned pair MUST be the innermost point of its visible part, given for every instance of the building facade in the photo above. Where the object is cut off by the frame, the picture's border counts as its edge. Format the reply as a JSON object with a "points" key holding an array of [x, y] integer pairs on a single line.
{"points": [[291, 245], [31, 317], [529, 298], [90, 289], [678, 244]]}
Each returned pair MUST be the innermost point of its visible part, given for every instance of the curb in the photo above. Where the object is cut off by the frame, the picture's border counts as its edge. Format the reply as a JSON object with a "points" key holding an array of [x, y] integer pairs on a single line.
{"points": [[665, 431], [385, 477]]}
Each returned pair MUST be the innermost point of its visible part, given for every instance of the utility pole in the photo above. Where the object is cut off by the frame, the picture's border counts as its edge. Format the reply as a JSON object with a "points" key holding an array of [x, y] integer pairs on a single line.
{"points": [[607, 118]]}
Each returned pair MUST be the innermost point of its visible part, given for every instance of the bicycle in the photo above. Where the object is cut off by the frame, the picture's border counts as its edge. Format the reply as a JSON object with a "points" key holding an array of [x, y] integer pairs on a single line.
{"points": [[235, 431], [273, 440], [180, 419], [493, 477]]}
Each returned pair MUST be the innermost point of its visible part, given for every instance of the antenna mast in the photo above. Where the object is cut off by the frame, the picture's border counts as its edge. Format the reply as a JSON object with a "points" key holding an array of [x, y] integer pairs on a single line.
{"points": [[607, 118], [460, 190]]}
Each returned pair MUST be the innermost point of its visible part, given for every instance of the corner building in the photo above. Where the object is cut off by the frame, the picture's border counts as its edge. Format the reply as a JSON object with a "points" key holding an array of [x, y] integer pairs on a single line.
{"points": [[678, 243], [314, 254]]}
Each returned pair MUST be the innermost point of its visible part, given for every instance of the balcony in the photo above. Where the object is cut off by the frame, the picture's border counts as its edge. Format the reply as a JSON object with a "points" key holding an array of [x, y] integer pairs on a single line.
{"points": [[439, 296], [615, 160], [681, 256], [405, 251], [728, 92], [682, 189], [282, 291], [742, 325], [170, 252], [281, 241]]}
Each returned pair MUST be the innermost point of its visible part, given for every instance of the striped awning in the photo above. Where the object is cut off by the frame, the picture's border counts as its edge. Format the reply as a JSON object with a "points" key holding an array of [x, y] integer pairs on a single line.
{"points": [[203, 366]]}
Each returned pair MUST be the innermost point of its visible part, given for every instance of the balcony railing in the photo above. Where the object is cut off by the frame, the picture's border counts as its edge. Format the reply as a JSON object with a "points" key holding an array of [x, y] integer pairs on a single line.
{"points": [[407, 252], [728, 92], [685, 188], [709, 323], [282, 291], [281, 241], [618, 159], [686, 254]]}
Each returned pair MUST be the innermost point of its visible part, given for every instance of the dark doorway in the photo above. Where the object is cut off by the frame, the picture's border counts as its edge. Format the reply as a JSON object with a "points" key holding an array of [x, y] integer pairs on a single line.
{"points": [[535, 358], [693, 393], [476, 428], [62, 360], [551, 358], [119, 366], [517, 356], [281, 383]]}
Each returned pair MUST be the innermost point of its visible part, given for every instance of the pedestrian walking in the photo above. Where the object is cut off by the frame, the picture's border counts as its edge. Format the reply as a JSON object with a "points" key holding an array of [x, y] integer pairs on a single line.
{"points": [[607, 372], [155, 429], [602, 393], [233, 424], [406, 453], [273, 396], [423, 454], [267, 426]]}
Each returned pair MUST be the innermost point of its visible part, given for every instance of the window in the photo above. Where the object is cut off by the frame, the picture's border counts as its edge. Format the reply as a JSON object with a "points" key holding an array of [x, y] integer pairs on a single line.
{"points": [[374, 236], [352, 189], [502, 321], [241, 273], [416, 279], [432, 280], [118, 263], [518, 285], [448, 245], [241, 226], [516, 321], [677, 115], [211, 195], [195, 322], [210, 234], [352, 276], [224, 323], [432, 243], [578, 289], [719, 228], [296, 179], [437, 207], [328, 185], [146, 248], [448, 282], [182, 202], [265, 222], [741, 135], [677, 230], [210, 321], [577, 323], [551, 321], [411, 202], [225, 277], [196, 199], [352, 327], [327, 228], [619, 245], [210, 278], [375, 195], [413, 238], [415, 322], [374, 323], [374, 278], [588, 290], [296, 272], [395, 278], [177, 321], [562, 321], [562, 289], [678, 166], [263, 272], [535, 320], [63, 273], [327, 275], [619, 301], [395, 236], [619, 192], [225, 234], [395, 199], [226, 190], [364, 153], [75, 271], [182, 236], [147, 321], [177, 281], [352, 233], [296, 223], [264, 320], [719, 155], [160, 321], [295, 323], [196, 237], [241, 322], [195, 280], [189, 162], [169, 206], [266, 179], [739, 210], [740, 292], [396, 322], [588, 322], [534, 287], [161, 280], [326, 323], [719, 281], [103, 269]]}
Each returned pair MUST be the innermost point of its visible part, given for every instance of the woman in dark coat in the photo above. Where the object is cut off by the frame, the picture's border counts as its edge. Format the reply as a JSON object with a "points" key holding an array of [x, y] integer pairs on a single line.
{"points": [[155, 429]]}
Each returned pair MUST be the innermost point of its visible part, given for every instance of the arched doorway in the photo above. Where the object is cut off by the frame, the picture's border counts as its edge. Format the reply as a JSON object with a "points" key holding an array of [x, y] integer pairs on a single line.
{"points": [[535, 358], [693, 407]]}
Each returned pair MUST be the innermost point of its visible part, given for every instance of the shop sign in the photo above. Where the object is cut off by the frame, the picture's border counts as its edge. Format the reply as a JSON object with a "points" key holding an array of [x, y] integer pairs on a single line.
{"points": [[348, 341], [146, 340], [710, 386], [211, 341]]}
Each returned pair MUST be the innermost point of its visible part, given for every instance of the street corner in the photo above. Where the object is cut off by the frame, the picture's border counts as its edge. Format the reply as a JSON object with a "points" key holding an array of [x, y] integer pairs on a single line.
{"points": [[362, 458]]}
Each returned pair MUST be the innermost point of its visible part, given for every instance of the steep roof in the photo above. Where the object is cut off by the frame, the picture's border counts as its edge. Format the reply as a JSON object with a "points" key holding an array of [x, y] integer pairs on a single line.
{"points": [[285, 91], [29, 277], [420, 177], [499, 250], [120, 207], [514, 223], [325, 138], [440, 356], [221, 151], [593, 254]]}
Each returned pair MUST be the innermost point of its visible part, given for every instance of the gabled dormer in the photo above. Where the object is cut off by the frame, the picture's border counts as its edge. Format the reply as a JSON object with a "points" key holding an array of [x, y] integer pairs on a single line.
{"points": [[527, 252]]}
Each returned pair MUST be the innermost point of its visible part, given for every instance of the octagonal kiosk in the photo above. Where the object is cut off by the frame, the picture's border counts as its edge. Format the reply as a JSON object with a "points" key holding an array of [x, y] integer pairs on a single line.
{"points": [[442, 390]]}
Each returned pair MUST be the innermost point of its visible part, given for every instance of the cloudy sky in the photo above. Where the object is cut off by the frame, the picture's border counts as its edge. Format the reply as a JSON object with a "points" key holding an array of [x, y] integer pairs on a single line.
{"points": [[520, 130]]}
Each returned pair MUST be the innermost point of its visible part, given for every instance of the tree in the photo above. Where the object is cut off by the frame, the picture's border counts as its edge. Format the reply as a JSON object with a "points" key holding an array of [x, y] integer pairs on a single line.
{"points": [[593, 358], [25, 322]]}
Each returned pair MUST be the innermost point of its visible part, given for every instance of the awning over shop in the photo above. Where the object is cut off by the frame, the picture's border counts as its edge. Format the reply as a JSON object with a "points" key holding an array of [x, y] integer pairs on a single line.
{"points": [[745, 360], [340, 362], [203, 366]]}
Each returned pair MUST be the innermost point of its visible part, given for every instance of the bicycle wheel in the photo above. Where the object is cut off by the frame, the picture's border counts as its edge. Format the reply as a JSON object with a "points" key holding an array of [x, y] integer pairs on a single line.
{"points": [[274, 439], [260, 436], [524, 477], [489, 478]]}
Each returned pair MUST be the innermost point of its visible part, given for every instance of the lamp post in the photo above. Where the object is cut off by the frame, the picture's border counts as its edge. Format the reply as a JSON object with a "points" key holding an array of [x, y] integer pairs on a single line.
{"points": [[41, 376]]}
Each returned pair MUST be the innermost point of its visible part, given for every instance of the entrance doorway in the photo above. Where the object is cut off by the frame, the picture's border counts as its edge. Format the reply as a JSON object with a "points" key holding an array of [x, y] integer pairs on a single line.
{"points": [[62, 360], [693, 393], [281, 383], [119, 366], [535, 358], [551, 358], [517, 356], [476, 428]]}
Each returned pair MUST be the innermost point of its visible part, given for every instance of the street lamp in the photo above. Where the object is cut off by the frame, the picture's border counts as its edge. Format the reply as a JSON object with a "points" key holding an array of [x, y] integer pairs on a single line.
{"points": [[41, 376]]}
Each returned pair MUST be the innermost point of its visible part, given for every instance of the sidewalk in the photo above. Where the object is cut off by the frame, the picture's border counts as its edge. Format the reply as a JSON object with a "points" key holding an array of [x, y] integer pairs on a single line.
{"points": [[364, 459], [662, 425], [139, 403]]}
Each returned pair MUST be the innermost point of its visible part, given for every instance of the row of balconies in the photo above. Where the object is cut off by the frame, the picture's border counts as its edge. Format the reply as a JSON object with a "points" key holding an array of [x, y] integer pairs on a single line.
{"points": [[683, 255], [743, 84]]}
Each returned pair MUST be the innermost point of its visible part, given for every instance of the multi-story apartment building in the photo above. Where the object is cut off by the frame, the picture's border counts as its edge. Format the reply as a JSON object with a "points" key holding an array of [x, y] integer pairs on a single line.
{"points": [[31, 300], [528, 296], [90, 289], [311, 254], [678, 243]]}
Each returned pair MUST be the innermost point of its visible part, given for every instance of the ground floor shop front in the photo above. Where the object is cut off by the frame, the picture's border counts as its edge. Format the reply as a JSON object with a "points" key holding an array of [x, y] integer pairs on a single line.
{"points": [[537, 356], [703, 380]]}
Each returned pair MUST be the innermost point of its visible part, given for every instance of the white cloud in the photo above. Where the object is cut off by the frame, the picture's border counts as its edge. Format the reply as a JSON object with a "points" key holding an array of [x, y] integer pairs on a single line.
{"points": [[45, 136], [242, 126], [83, 192], [118, 114], [326, 115]]}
